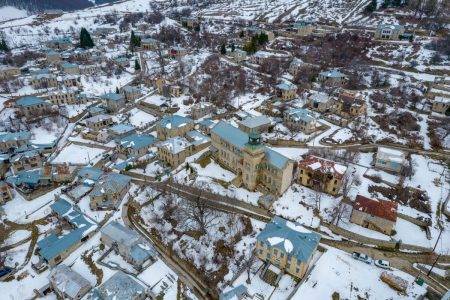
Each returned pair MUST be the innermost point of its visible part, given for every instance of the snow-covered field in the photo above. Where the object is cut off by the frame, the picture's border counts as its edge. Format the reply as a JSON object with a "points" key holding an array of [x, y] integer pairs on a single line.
{"points": [[76, 154], [337, 271]]}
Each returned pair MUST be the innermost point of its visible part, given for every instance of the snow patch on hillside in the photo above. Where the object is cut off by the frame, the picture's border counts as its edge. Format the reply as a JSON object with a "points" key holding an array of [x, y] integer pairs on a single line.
{"points": [[11, 12]]}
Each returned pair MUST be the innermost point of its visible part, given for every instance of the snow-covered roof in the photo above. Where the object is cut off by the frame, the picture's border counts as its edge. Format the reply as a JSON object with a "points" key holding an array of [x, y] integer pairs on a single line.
{"points": [[300, 114], [137, 141], [320, 98], [254, 122], [175, 145], [175, 121], [323, 166], [442, 99], [15, 136], [390, 154], [68, 282], [332, 74], [119, 286]]}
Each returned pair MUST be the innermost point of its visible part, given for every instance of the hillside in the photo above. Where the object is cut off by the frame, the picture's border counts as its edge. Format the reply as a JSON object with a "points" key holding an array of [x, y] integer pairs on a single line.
{"points": [[40, 5]]}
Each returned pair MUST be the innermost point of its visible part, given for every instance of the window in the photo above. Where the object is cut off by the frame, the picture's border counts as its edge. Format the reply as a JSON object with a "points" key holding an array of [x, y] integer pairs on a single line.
{"points": [[275, 251], [282, 254], [297, 270], [260, 252], [288, 266]]}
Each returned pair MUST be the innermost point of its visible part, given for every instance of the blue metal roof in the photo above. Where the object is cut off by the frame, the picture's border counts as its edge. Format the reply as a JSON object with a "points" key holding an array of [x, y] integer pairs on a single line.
{"points": [[121, 59], [27, 178], [231, 134], [69, 65], [112, 97], [285, 86], [29, 101], [279, 232], [121, 128], [91, 173], [275, 158], [332, 73], [301, 114], [96, 109], [62, 40], [137, 141], [150, 40], [110, 184], [175, 121], [53, 245], [235, 293], [15, 136]]}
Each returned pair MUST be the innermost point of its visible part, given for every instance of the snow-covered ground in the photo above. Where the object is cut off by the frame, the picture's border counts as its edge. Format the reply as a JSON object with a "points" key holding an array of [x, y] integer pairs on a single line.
{"points": [[337, 271], [11, 12], [76, 154]]}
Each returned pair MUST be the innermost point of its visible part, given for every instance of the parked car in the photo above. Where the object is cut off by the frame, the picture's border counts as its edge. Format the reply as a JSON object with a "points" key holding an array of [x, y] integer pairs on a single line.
{"points": [[4, 271], [384, 264], [362, 257]]}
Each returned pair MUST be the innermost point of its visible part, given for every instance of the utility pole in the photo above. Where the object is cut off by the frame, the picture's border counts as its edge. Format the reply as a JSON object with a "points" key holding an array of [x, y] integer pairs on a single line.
{"points": [[432, 266], [440, 233]]}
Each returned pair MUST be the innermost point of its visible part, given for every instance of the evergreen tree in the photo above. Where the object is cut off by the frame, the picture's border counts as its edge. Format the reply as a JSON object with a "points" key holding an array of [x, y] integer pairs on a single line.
{"points": [[135, 41], [85, 39], [117, 90], [137, 66], [4, 46], [263, 38], [372, 6], [233, 47], [223, 50]]}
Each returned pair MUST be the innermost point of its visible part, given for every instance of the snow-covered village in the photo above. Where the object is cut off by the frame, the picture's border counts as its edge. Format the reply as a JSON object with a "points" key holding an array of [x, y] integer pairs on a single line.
{"points": [[225, 149]]}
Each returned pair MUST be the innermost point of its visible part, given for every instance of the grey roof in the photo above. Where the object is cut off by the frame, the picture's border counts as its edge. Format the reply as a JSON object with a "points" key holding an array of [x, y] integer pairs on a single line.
{"points": [[390, 26], [231, 134], [68, 281], [197, 138], [290, 237], [119, 287], [110, 184], [120, 233], [254, 122], [121, 128]]}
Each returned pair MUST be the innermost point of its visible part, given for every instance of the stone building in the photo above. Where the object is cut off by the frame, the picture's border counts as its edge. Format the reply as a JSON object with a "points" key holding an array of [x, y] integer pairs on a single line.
{"points": [[201, 109], [9, 71], [286, 91], [349, 104], [389, 32], [379, 215], [26, 161], [174, 151], [130, 245], [441, 105], [130, 93], [256, 164], [114, 102], [14, 141], [173, 126], [44, 81], [390, 159], [33, 107], [149, 44], [135, 145], [5, 193], [67, 283], [287, 245], [60, 43], [109, 191], [257, 124], [98, 122], [332, 78], [321, 174], [70, 68], [300, 119], [320, 102]]}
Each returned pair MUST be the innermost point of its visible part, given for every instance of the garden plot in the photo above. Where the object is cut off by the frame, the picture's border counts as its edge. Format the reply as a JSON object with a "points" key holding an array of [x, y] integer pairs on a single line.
{"points": [[79, 155], [48, 131], [337, 272], [214, 245], [20, 210], [258, 286]]}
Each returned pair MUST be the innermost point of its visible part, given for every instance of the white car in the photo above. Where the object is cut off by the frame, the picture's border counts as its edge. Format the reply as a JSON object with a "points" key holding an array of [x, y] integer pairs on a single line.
{"points": [[384, 264], [362, 257]]}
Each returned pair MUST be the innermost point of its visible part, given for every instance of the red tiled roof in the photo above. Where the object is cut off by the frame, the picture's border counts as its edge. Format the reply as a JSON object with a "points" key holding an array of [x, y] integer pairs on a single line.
{"points": [[379, 208], [325, 166]]}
